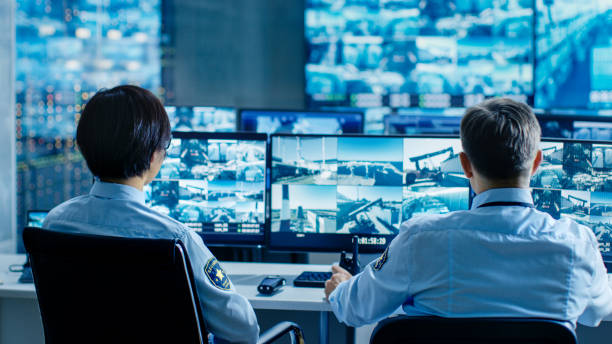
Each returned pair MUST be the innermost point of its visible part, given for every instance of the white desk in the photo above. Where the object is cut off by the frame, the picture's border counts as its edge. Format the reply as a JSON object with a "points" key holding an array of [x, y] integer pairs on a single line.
{"points": [[19, 309]]}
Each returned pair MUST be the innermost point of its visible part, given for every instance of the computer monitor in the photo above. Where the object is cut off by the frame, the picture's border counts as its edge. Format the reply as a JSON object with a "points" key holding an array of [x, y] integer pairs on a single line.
{"points": [[423, 123], [417, 53], [202, 118], [35, 218], [327, 188], [573, 53], [576, 126], [215, 183], [300, 122], [575, 181], [373, 117]]}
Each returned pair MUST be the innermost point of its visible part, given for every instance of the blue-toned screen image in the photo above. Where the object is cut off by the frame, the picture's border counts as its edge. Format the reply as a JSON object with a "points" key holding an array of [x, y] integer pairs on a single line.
{"points": [[435, 183], [36, 218], [575, 181], [357, 49], [213, 185], [414, 121], [367, 185], [201, 118], [573, 54], [300, 122], [305, 160]]}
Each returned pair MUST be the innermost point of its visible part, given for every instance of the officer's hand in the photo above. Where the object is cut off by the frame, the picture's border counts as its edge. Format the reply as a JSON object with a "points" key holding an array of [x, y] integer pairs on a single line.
{"points": [[339, 275]]}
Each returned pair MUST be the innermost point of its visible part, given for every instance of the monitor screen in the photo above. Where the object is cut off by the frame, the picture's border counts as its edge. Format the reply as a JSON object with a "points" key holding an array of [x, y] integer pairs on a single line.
{"points": [[598, 128], [417, 53], [325, 189], [202, 118], [215, 183], [421, 121], [573, 54], [35, 218], [373, 117], [301, 122], [575, 181]]}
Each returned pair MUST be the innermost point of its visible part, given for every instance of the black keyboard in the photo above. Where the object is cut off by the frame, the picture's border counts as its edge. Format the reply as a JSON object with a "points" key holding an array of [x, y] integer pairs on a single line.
{"points": [[312, 279]]}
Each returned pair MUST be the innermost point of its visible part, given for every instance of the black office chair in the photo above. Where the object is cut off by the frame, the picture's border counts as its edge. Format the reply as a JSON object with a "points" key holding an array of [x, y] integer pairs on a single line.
{"points": [[430, 330], [100, 289]]}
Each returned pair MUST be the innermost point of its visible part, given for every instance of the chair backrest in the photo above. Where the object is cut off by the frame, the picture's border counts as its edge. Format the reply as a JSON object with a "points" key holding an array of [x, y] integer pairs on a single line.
{"points": [[421, 330], [94, 288]]}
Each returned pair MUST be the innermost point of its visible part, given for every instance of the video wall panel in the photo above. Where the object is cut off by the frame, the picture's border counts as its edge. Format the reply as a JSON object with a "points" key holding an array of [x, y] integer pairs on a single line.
{"points": [[417, 53], [333, 187], [575, 181]]}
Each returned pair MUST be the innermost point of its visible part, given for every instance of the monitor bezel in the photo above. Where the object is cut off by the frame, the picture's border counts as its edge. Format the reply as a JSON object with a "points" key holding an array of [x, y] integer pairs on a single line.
{"points": [[344, 242], [332, 113], [220, 239]]}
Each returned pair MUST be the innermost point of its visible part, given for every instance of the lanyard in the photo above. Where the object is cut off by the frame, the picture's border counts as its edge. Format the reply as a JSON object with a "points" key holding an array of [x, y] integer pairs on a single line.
{"points": [[506, 204]]}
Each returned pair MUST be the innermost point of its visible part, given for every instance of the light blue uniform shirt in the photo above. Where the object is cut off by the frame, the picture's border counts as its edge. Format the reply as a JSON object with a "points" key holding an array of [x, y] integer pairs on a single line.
{"points": [[499, 261], [120, 210]]}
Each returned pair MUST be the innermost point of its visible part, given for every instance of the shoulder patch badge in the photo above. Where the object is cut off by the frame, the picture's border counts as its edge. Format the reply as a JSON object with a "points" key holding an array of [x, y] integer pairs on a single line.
{"points": [[216, 275], [381, 260]]}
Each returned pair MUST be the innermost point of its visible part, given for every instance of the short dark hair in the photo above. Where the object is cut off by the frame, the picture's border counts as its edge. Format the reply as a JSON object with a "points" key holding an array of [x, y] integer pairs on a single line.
{"points": [[119, 131], [500, 136]]}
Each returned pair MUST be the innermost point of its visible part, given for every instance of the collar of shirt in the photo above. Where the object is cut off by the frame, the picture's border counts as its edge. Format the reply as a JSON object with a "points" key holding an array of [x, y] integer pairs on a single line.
{"points": [[502, 195], [102, 189]]}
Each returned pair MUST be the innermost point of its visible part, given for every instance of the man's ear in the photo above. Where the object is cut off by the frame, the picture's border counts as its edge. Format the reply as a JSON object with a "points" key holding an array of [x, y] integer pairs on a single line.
{"points": [[536, 162], [466, 165], [158, 154]]}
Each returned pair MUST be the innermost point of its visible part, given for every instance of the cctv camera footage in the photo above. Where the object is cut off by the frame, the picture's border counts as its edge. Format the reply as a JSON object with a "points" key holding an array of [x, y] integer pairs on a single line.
{"points": [[300, 122], [575, 181], [362, 185], [201, 118], [358, 50], [212, 185]]}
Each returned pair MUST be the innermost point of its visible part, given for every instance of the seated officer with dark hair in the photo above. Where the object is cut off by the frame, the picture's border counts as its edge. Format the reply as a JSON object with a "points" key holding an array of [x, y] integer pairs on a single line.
{"points": [[123, 135], [502, 258]]}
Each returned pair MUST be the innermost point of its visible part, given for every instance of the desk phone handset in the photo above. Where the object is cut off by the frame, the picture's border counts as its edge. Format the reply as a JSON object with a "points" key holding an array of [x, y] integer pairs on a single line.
{"points": [[351, 264]]}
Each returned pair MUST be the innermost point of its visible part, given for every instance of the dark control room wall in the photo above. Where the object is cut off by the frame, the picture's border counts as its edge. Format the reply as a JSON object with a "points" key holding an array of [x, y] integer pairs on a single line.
{"points": [[235, 53]]}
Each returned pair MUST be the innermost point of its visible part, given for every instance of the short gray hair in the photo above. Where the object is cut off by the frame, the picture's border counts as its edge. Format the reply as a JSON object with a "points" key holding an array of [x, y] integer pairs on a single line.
{"points": [[500, 136]]}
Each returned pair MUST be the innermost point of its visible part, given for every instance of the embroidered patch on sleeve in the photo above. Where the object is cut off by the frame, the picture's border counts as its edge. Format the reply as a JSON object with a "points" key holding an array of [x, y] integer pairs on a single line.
{"points": [[216, 275], [381, 260]]}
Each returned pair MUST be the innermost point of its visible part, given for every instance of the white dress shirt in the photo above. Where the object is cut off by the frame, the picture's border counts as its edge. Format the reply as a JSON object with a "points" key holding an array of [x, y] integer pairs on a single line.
{"points": [[490, 261]]}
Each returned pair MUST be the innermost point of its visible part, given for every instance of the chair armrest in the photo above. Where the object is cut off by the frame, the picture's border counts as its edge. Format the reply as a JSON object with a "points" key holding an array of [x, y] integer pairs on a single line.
{"points": [[281, 329]]}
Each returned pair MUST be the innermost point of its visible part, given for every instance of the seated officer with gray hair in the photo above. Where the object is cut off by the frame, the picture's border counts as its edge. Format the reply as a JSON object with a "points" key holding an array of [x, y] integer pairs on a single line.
{"points": [[123, 135], [501, 258]]}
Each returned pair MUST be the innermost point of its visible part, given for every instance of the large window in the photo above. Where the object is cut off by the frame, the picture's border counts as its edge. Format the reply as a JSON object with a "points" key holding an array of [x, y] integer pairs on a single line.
{"points": [[66, 51]]}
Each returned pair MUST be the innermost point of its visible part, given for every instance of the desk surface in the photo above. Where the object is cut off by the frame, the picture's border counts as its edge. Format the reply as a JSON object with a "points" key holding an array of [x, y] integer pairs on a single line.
{"points": [[244, 276]]}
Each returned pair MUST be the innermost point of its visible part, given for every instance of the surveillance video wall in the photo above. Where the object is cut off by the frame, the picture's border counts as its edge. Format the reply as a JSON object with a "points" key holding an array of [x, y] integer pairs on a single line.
{"points": [[202, 118], [573, 50], [362, 185], [575, 181], [213, 185], [417, 53]]}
